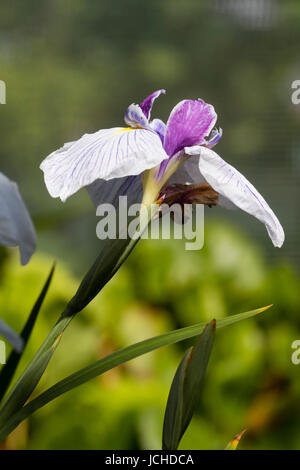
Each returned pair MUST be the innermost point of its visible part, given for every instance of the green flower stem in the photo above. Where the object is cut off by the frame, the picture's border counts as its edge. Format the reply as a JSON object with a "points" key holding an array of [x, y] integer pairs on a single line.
{"points": [[112, 255]]}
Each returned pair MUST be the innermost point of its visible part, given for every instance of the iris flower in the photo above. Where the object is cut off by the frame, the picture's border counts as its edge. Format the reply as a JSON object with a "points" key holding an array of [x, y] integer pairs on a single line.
{"points": [[16, 227], [148, 158]]}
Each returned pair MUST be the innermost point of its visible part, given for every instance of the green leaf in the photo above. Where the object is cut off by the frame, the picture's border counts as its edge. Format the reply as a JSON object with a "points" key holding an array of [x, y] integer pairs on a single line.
{"points": [[174, 409], [9, 369], [186, 388], [195, 372], [29, 381], [113, 254], [232, 445], [113, 360]]}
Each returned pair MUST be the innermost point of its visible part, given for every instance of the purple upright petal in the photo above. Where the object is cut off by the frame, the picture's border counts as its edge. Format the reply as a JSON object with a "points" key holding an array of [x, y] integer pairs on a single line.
{"points": [[147, 104], [214, 138], [189, 123]]}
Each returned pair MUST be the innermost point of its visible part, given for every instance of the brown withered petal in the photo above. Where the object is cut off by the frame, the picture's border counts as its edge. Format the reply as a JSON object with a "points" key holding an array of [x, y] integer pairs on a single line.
{"points": [[201, 193]]}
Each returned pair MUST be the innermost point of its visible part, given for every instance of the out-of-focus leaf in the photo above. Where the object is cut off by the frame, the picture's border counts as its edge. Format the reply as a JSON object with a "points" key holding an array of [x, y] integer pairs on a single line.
{"points": [[9, 369], [113, 360], [186, 388], [11, 336], [232, 445]]}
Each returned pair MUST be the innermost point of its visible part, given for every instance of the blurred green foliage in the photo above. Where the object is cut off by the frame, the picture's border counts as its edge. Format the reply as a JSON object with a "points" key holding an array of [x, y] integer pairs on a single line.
{"points": [[73, 67], [251, 381]]}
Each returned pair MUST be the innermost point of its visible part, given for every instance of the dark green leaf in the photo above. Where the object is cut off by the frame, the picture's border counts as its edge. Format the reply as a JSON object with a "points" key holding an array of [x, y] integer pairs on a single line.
{"points": [[186, 388], [174, 409]]}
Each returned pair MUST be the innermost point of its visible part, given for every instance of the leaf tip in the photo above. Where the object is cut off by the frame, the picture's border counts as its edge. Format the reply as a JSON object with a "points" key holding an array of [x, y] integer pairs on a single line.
{"points": [[53, 267], [232, 445], [266, 308]]}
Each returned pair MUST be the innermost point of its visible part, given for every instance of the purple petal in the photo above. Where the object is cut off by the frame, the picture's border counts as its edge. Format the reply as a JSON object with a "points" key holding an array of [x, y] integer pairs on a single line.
{"points": [[214, 138], [189, 123], [147, 104]]}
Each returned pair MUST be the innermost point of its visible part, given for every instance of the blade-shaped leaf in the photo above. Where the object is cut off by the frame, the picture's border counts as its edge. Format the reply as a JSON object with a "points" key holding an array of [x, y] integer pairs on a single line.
{"points": [[9, 369], [113, 360], [174, 410], [186, 388], [195, 372], [29, 381], [11, 336], [232, 445]]}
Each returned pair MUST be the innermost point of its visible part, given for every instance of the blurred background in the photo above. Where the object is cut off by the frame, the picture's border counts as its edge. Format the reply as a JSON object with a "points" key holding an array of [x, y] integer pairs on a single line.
{"points": [[72, 67]]}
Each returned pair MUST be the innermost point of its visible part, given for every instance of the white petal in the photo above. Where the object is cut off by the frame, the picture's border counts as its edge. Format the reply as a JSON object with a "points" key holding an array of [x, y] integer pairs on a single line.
{"points": [[134, 116], [103, 192], [189, 173], [16, 228], [230, 183], [159, 127], [106, 154]]}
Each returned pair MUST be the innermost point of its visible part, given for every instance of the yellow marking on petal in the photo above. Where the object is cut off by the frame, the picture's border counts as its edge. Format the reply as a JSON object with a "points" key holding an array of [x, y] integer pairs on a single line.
{"points": [[124, 129]]}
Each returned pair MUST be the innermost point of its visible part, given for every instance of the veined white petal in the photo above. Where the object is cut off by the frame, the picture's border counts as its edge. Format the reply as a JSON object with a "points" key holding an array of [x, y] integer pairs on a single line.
{"points": [[134, 116], [189, 173], [231, 184], [106, 154], [16, 227]]}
